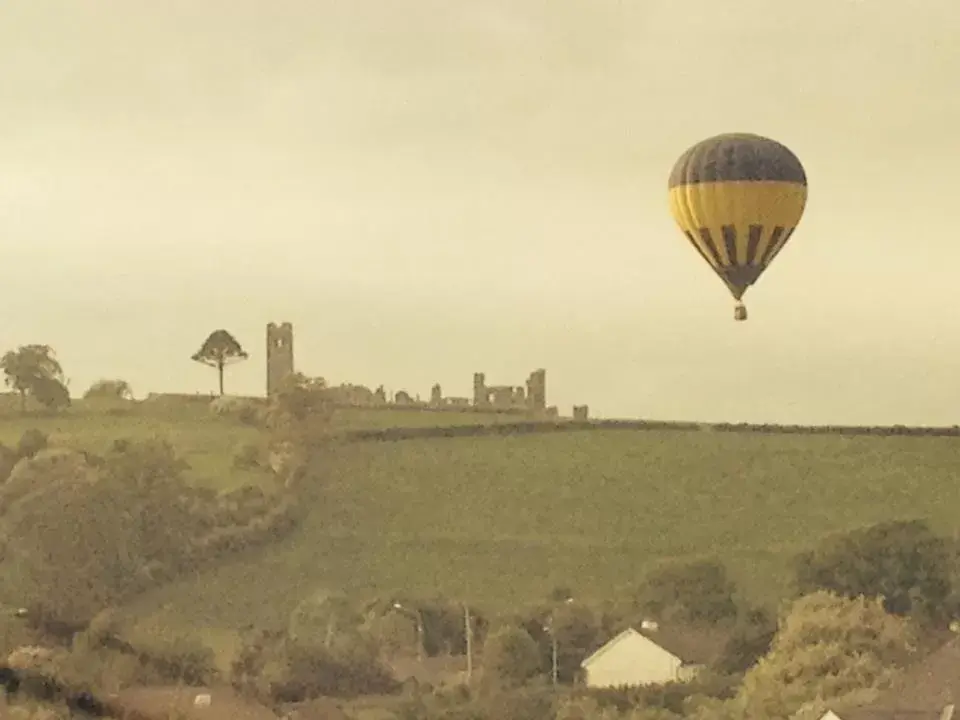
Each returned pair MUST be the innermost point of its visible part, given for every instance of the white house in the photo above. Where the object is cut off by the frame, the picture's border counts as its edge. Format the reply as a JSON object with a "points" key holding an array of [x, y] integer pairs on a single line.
{"points": [[635, 658]]}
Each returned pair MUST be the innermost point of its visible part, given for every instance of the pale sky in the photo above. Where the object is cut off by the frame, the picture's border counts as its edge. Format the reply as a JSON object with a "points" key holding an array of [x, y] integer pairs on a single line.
{"points": [[428, 188]]}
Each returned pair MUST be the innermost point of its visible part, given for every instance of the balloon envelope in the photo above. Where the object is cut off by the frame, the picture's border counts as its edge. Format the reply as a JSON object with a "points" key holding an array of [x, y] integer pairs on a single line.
{"points": [[738, 198]]}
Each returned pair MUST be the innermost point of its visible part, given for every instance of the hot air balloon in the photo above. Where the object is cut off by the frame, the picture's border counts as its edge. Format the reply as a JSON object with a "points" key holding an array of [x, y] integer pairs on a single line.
{"points": [[738, 198]]}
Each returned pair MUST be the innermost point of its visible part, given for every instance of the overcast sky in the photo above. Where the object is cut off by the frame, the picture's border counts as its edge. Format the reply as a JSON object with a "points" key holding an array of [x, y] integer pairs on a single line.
{"points": [[428, 188]]}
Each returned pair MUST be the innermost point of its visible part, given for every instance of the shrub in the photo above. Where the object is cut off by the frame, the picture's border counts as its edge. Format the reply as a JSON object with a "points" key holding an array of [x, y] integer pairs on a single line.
{"points": [[903, 562], [698, 592], [247, 457], [272, 667], [511, 657], [8, 458], [250, 414], [51, 393], [348, 670], [31, 442], [109, 389], [181, 660]]}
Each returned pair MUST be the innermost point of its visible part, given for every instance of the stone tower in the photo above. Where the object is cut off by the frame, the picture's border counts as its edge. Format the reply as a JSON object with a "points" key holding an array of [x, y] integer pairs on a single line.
{"points": [[279, 355], [537, 390], [479, 390]]}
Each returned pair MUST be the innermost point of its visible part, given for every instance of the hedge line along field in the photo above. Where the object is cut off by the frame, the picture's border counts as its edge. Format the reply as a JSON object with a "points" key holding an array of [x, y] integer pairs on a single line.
{"points": [[206, 441], [502, 520], [356, 418]]}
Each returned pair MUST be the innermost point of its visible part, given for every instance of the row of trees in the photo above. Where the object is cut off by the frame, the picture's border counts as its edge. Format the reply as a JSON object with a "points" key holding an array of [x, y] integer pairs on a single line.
{"points": [[828, 651], [841, 636], [893, 579], [863, 602], [33, 371]]}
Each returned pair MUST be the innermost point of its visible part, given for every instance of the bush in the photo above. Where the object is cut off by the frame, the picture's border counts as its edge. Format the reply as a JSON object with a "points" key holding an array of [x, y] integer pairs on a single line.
{"points": [[749, 640], [247, 457], [8, 458], [273, 668], [903, 562], [346, 671], [34, 477], [522, 704], [244, 410], [181, 660], [109, 389], [250, 414], [31, 442], [51, 393], [144, 462], [510, 657], [698, 592]]}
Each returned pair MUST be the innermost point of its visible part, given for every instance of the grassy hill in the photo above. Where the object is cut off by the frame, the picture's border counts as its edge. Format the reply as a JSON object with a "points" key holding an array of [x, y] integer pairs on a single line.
{"points": [[502, 520], [206, 441]]}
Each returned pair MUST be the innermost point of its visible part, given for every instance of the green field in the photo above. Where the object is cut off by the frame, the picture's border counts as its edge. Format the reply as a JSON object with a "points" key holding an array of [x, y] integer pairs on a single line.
{"points": [[205, 441], [500, 521]]}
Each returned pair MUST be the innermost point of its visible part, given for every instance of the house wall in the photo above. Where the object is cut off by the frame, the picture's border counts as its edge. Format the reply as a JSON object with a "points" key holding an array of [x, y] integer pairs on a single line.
{"points": [[634, 661], [688, 672]]}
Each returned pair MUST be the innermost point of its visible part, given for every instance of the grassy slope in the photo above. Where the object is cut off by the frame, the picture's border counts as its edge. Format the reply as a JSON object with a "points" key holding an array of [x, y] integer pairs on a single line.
{"points": [[207, 442], [502, 520]]}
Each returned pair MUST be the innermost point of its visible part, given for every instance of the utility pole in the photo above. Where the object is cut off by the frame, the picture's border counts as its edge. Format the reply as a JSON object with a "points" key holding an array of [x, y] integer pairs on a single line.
{"points": [[553, 639], [555, 671], [548, 628], [468, 633]]}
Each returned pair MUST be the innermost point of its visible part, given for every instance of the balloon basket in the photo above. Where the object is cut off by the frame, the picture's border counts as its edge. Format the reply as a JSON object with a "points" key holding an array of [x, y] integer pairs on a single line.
{"points": [[740, 312]]}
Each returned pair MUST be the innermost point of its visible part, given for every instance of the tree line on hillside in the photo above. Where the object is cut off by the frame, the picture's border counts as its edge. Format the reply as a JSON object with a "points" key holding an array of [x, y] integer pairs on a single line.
{"points": [[133, 519], [161, 525], [33, 371], [863, 602]]}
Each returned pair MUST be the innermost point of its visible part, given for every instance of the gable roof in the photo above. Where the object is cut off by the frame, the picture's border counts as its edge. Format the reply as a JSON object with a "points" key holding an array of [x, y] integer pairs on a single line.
{"points": [[689, 646], [627, 634]]}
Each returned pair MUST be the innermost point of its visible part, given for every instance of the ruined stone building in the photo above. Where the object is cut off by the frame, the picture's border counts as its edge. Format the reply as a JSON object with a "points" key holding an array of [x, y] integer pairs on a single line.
{"points": [[532, 397]]}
